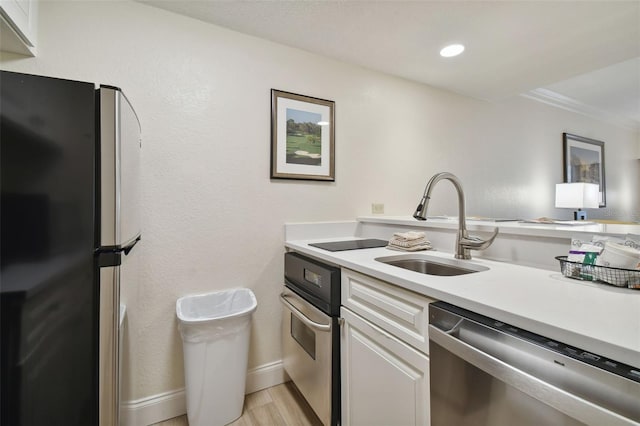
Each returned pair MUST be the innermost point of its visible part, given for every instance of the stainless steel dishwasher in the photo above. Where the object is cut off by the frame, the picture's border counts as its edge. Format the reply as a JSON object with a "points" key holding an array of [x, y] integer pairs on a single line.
{"points": [[485, 372]]}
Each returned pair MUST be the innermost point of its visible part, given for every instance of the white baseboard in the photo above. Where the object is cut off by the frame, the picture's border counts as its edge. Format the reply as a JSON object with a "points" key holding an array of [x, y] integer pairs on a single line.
{"points": [[164, 406], [153, 409], [265, 376]]}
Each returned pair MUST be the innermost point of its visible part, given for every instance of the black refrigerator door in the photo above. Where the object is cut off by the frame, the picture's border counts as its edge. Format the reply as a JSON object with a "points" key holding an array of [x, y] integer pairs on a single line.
{"points": [[47, 263]]}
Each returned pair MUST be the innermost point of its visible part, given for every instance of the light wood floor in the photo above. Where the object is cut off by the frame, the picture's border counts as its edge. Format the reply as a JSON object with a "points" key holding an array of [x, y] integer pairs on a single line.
{"points": [[281, 405]]}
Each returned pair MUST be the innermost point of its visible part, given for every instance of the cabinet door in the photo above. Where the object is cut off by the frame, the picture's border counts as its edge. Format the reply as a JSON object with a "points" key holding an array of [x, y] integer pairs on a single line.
{"points": [[384, 381]]}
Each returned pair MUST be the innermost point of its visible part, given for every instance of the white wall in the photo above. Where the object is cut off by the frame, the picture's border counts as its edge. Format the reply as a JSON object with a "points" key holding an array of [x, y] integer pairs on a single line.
{"points": [[212, 217]]}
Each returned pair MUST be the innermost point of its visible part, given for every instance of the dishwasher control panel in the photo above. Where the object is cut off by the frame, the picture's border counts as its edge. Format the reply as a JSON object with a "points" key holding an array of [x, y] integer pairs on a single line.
{"points": [[615, 367]]}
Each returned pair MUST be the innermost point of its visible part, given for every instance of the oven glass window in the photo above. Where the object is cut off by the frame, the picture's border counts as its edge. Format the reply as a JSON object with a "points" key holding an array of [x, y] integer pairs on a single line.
{"points": [[305, 336], [313, 278]]}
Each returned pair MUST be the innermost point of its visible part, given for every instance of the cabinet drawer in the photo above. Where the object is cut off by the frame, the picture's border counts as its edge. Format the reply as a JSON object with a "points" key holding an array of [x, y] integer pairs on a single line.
{"points": [[400, 312]]}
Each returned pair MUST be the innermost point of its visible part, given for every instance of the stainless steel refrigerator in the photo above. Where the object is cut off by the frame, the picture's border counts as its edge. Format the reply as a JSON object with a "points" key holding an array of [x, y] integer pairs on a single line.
{"points": [[69, 213]]}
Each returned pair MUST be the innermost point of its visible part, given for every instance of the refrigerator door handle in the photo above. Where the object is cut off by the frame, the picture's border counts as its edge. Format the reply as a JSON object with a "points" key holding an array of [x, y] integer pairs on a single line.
{"points": [[130, 247], [119, 157], [112, 256], [109, 366]]}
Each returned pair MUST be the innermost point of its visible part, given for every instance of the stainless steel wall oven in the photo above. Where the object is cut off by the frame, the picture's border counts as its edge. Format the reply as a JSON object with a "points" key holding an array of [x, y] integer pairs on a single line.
{"points": [[311, 333]]}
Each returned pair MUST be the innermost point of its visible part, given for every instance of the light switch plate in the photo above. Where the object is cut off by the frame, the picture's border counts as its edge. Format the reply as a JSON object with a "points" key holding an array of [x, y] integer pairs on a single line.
{"points": [[377, 208]]}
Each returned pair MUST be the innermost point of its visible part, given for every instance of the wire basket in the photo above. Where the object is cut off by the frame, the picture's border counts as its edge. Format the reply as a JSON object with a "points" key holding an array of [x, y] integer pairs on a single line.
{"points": [[618, 277]]}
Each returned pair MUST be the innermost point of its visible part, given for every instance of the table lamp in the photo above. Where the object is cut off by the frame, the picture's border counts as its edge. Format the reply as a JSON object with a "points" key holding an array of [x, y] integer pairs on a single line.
{"points": [[579, 196]]}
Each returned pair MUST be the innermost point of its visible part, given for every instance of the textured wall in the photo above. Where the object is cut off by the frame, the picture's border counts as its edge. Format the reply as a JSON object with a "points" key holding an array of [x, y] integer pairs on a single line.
{"points": [[212, 217]]}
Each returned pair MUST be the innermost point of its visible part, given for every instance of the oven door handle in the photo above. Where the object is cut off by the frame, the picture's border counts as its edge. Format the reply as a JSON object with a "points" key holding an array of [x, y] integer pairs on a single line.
{"points": [[570, 404], [302, 317]]}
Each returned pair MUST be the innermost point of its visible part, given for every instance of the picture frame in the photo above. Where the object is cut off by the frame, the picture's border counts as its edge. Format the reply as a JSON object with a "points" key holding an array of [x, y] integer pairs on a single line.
{"points": [[583, 161], [302, 137]]}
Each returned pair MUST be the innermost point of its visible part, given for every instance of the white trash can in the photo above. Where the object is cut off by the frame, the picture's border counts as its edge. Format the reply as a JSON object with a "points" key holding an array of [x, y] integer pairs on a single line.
{"points": [[215, 340]]}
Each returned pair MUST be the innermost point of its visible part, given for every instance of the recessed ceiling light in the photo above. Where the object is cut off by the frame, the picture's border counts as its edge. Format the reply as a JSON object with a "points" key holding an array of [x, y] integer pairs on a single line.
{"points": [[452, 50]]}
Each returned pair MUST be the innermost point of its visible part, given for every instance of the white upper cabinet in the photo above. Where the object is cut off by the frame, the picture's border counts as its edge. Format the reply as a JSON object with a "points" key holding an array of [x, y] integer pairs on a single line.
{"points": [[18, 26]]}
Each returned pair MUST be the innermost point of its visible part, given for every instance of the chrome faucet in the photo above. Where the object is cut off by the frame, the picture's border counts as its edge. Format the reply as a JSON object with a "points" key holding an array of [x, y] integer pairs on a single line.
{"points": [[464, 242]]}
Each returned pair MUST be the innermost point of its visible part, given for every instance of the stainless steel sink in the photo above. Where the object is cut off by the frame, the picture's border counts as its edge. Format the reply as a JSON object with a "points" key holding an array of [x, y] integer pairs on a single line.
{"points": [[431, 265]]}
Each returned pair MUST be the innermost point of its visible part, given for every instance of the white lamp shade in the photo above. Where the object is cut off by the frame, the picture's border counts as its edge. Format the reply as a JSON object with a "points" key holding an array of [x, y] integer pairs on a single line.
{"points": [[577, 195]]}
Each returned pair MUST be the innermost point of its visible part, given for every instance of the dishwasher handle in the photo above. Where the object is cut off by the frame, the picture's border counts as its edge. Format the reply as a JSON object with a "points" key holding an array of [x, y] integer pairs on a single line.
{"points": [[302, 317], [547, 393]]}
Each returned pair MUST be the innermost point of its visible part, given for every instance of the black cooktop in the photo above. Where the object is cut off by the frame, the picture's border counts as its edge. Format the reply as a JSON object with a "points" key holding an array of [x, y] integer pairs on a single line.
{"points": [[351, 244]]}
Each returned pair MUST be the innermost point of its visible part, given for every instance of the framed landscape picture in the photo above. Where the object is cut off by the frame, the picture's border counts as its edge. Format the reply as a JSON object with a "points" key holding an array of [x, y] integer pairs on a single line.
{"points": [[584, 162], [302, 137]]}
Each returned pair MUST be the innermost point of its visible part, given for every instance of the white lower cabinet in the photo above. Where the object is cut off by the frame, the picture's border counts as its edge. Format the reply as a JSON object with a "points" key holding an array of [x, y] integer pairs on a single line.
{"points": [[384, 353], [384, 380]]}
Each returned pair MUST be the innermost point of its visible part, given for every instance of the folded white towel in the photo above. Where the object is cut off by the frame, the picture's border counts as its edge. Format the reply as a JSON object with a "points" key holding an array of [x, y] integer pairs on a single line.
{"points": [[420, 247], [407, 243], [408, 236]]}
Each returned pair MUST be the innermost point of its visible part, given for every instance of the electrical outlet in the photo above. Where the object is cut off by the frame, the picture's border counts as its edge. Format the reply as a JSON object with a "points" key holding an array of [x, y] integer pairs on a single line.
{"points": [[377, 208]]}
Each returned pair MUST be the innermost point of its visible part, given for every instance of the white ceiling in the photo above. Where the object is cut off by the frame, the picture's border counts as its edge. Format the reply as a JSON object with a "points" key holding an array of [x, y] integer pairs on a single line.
{"points": [[578, 53]]}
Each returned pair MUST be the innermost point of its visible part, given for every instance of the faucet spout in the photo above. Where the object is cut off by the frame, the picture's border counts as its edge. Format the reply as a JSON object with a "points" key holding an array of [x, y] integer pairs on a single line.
{"points": [[464, 242], [421, 210]]}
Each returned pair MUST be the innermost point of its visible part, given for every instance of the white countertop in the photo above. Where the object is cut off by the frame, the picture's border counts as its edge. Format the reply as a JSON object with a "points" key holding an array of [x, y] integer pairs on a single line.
{"points": [[595, 317]]}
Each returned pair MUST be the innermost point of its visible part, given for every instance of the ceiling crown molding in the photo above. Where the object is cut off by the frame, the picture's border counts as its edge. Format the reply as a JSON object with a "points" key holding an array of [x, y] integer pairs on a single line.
{"points": [[552, 98]]}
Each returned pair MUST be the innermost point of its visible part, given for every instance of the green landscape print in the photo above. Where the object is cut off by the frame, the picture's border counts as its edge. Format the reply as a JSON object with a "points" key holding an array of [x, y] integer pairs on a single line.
{"points": [[304, 142]]}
